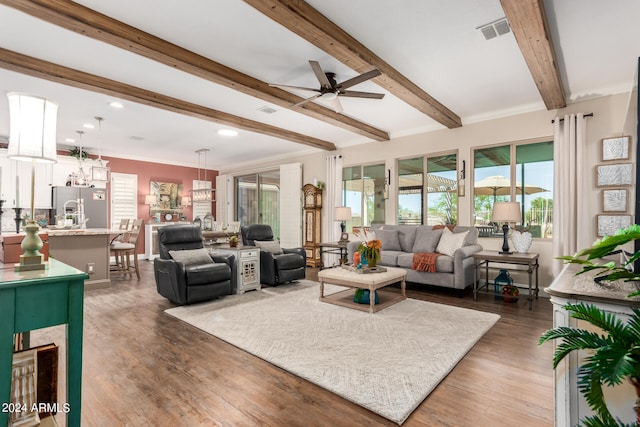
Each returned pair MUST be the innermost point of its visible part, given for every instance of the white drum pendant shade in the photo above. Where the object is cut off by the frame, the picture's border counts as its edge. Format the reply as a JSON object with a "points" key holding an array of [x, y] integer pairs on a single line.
{"points": [[32, 128]]}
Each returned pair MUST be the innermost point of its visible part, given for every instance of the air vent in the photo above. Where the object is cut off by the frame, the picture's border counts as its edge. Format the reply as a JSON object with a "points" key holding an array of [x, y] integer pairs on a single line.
{"points": [[267, 110], [494, 29], [136, 138]]}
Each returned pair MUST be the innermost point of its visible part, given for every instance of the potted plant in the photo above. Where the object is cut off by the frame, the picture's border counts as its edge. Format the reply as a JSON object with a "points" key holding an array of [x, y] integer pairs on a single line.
{"points": [[233, 241], [615, 354], [510, 293]]}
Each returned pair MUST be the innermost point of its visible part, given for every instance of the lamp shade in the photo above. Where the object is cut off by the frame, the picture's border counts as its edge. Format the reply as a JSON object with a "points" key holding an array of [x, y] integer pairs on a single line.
{"points": [[186, 201], [32, 128], [150, 199], [506, 212], [342, 213]]}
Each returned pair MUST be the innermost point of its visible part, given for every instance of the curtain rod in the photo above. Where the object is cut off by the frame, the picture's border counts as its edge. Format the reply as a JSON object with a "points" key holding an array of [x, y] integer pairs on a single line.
{"points": [[562, 120]]}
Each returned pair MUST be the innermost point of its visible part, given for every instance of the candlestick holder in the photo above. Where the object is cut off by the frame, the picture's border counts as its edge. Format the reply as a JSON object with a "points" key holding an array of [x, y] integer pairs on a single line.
{"points": [[18, 218]]}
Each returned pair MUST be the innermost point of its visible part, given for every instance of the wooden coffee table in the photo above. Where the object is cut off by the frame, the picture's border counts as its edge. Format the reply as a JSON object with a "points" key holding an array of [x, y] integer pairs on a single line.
{"points": [[370, 281]]}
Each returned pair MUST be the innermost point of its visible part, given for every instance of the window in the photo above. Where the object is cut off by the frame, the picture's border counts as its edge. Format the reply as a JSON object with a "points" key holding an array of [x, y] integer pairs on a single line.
{"points": [[363, 191], [124, 197], [522, 170], [428, 195], [257, 199]]}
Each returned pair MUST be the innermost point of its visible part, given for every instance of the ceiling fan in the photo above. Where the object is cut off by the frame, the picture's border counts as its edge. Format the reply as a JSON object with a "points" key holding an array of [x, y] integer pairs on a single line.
{"points": [[330, 90]]}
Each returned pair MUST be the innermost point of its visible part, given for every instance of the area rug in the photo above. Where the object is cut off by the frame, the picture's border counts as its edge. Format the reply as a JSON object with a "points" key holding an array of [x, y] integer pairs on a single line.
{"points": [[387, 362]]}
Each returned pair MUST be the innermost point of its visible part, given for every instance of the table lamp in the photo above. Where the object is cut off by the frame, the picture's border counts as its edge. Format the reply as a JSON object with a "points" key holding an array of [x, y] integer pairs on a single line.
{"points": [[32, 138], [343, 214], [507, 212]]}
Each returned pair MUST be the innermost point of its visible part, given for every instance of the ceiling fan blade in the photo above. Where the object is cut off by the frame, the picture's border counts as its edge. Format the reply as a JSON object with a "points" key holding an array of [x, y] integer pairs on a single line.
{"points": [[336, 104], [308, 89], [359, 79], [322, 78], [304, 101], [356, 94]]}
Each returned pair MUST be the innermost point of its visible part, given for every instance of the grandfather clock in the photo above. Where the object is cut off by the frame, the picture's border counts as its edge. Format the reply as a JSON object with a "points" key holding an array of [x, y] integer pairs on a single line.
{"points": [[312, 222]]}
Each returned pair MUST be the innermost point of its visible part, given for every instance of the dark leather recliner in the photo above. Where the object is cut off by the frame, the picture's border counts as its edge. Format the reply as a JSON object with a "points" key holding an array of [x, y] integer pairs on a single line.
{"points": [[188, 284], [275, 268]]}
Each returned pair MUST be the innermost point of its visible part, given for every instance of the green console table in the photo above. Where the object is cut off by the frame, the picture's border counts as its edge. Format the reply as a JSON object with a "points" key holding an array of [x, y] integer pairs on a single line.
{"points": [[37, 299]]}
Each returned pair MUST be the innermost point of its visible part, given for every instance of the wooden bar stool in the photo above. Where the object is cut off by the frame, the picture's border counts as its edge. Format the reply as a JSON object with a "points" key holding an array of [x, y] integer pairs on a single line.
{"points": [[127, 247]]}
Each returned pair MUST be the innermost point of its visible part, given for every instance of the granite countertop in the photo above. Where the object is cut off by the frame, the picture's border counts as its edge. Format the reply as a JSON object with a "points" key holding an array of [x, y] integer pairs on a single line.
{"points": [[582, 286], [79, 231]]}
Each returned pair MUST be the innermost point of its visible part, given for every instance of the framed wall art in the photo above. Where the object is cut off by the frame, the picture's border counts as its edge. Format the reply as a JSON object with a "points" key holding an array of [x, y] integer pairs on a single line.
{"points": [[616, 175], [614, 200], [616, 148], [609, 224], [168, 197]]}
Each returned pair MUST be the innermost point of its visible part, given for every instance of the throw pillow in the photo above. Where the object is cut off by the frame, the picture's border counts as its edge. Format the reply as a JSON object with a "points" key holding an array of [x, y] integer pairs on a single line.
{"points": [[192, 256], [389, 240], [426, 240], [272, 246], [450, 242]]}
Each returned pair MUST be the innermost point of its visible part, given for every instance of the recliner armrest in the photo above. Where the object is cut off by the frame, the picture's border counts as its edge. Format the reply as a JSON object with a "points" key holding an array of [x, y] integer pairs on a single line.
{"points": [[299, 251], [224, 258]]}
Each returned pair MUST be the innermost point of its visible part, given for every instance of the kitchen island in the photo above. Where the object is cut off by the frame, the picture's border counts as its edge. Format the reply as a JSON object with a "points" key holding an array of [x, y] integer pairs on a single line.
{"points": [[85, 249]]}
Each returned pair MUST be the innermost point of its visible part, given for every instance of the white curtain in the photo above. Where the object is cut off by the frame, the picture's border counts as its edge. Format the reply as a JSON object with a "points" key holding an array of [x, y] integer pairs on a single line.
{"points": [[570, 184], [332, 197]]}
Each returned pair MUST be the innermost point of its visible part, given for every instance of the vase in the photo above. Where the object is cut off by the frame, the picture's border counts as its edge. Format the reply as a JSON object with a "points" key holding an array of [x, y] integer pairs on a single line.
{"points": [[371, 261]]}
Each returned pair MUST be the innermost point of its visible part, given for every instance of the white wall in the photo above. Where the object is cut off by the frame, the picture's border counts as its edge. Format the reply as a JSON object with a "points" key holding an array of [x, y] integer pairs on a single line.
{"points": [[612, 117]]}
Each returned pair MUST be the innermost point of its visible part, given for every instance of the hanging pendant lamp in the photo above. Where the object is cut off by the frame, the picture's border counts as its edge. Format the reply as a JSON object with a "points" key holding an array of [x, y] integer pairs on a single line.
{"points": [[202, 194], [80, 178], [101, 172]]}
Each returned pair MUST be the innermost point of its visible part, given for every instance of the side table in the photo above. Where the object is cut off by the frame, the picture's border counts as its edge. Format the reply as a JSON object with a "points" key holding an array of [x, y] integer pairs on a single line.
{"points": [[528, 260], [247, 266], [36, 299], [333, 248]]}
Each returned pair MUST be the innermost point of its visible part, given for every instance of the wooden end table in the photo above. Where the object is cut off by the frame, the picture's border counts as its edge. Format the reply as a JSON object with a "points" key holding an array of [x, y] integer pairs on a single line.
{"points": [[371, 281], [529, 260]]}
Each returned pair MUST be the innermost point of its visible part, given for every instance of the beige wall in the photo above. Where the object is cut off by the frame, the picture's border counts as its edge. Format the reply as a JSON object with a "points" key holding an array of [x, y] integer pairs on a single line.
{"points": [[612, 116]]}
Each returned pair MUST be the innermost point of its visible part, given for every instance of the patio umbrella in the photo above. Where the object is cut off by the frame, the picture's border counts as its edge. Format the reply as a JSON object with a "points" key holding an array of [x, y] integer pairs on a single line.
{"points": [[500, 186]]}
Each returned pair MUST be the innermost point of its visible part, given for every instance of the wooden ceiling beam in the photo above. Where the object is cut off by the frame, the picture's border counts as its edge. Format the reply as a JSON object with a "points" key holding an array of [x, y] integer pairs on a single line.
{"points": [[56, 73], [85, 21], [528, 22], [302, 19]]}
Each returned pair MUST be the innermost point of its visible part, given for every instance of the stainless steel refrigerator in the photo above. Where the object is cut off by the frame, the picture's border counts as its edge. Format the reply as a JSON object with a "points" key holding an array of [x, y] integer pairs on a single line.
{"points": [[96, 204]]}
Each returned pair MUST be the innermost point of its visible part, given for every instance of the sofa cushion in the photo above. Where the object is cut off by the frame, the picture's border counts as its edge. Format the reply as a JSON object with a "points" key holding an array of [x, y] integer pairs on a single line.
{"points": [[444, 263], [426, 240], [389, 239], [192, 256], [472, 237], [272, 246], [389, 257], [407, 236], [450, 242]]}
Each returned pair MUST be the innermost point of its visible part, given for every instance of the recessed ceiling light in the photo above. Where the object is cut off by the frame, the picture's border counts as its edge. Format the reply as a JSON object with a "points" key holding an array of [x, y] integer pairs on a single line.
{"points": [[69, 140], [116, 104], [88, 126], [227, 132]]}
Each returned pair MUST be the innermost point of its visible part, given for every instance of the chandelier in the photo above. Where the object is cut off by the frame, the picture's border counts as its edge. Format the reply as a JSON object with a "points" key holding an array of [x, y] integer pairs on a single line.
{"points": [[202, 194], [100, 173], [80, 177]]}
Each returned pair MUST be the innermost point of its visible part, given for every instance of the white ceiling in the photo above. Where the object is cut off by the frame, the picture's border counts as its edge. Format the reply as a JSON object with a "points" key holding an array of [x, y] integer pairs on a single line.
{"points": [[434, 43]]}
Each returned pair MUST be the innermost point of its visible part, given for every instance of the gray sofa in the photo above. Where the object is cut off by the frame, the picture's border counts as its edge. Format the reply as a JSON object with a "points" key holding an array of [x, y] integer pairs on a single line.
{"points": [[399, 242]]}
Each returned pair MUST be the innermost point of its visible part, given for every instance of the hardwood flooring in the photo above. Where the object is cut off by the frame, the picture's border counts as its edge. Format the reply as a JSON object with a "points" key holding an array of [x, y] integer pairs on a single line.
{"points": [[142, 367]]}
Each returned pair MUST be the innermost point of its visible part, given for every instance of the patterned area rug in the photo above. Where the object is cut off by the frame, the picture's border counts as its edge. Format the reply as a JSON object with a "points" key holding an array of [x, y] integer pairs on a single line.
{"points": [[387, 362]]}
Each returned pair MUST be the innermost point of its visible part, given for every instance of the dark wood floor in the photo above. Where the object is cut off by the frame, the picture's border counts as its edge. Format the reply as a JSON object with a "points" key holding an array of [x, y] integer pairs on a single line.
{"points": [[145, 368]]}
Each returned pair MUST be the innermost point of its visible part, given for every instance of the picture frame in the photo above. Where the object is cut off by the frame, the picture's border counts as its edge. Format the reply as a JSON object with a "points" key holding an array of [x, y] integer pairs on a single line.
{"points": [[614, 175], [168, 197], [615, 200], [617, 148], [607, 225]]}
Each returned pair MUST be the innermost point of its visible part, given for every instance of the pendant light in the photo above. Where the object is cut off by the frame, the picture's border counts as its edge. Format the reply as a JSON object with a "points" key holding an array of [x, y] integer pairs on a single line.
{"points": [[80, 178], [202, 194], [101, 172]]}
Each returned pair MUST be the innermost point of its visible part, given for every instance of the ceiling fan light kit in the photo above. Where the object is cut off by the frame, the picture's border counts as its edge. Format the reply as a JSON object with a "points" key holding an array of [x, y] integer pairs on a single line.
{"points": [[330, 90]]}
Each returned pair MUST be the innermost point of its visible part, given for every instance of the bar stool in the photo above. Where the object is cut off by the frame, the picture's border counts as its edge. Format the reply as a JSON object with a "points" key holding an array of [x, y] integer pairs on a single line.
{"points": [[127, 247]]}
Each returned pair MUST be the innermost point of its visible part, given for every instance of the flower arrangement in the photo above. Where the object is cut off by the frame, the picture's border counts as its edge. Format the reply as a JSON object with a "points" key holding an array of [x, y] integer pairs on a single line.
{"points": [[369, 247], [510, 290], [77, 152]]}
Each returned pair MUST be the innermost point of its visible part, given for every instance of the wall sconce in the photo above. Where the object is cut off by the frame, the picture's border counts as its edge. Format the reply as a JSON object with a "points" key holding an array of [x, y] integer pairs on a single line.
{"points": [[461, 177], [185, 201]]}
